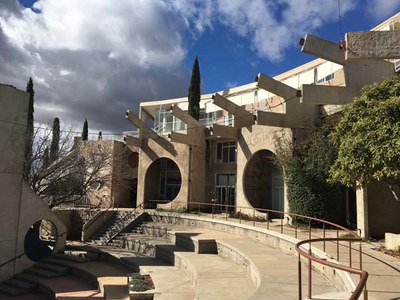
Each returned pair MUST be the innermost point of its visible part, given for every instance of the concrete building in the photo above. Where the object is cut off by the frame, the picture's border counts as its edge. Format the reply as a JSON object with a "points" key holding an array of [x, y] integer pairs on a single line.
{"points": [[112, 169], [23, 215], [226, 155]]}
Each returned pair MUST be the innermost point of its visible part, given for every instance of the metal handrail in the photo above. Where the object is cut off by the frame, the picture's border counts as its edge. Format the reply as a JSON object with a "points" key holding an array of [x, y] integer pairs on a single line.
{"points": [[352, 237], [121, 221], [12, 259], [363, 274]]}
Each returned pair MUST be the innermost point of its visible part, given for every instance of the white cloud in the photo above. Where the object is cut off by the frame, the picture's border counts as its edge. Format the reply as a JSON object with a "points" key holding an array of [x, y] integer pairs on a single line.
{"points": [[96, 58], [92, 58], [274, 26], [380, 9]]}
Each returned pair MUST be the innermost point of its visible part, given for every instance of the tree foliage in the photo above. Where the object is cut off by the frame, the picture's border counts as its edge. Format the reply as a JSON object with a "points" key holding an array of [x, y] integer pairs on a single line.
{"points": [[194, 91], [368, 138], [306, 167], [29, 130], [85, 131], [77, 173]]}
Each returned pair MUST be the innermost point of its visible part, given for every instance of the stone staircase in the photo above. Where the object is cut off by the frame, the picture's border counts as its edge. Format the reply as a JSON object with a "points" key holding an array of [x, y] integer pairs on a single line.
{"points": [[118, 222], [32, 279]]}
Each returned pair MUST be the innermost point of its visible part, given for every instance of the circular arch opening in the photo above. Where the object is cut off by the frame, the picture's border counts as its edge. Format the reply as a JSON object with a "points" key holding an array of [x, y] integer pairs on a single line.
{"points": [[263, 182], [162, 182], [40, 240]]}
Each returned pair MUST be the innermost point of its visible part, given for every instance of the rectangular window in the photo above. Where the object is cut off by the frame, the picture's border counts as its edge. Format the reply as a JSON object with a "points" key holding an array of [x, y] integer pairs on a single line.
{"points": [[226, 152]]}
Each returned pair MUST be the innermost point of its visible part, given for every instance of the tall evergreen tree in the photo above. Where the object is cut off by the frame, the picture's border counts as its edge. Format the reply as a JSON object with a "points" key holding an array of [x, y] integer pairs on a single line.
{"points": [[55, 141], [29, 131], [46, 158], [85, 131], [194, 91]]}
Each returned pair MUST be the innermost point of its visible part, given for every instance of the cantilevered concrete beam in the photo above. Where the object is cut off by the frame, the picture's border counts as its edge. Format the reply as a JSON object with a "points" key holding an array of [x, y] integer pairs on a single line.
{"points": [[184, 117], [373, 44], [272, 119], [195, 130], [224, 131], [276, 87], [132, 141], [322, 48], [185, 139], [144, 130], [322, 94], [243, 118]]}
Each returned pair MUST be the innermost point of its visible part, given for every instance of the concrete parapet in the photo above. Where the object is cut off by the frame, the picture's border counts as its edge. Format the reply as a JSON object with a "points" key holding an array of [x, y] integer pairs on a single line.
{"points": [[224, 132], [322, 94], [272, 119], [392, 241], [373, 44]]}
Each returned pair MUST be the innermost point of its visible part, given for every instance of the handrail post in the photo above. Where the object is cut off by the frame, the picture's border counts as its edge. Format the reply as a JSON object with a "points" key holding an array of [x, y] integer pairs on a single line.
{"points": [[324, 234], [309, 273], [337, 244], [240, 215], [350, 253], [226, 212], [299, 277], [282, 215]]}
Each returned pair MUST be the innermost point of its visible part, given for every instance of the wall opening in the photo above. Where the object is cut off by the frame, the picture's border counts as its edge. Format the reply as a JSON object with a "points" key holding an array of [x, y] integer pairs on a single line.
{"points": [[162, 182], [40, 240], [263, 182]]}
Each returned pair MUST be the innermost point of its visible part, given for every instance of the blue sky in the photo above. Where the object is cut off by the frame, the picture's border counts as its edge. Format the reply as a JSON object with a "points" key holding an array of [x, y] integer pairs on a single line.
{"points": [[96, 58]]}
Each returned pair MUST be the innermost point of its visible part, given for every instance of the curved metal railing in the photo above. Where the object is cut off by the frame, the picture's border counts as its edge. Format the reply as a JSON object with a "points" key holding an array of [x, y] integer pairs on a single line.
{"points": [[297, 223]]}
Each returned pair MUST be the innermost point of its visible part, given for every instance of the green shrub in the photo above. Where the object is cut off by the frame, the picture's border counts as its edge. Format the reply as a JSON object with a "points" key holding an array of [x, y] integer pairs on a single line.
{"points": [[306, 167]]}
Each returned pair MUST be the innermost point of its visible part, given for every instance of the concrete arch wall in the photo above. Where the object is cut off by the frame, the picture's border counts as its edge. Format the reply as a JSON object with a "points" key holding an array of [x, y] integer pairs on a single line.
{"points": [[20, 206], [152, 151], [251, 140]]}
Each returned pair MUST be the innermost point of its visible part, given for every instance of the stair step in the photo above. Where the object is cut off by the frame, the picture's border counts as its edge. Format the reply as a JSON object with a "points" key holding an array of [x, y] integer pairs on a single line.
{"points": [[42, 272], [72, 258], [11, 290], [22, 284], [52, 267]]}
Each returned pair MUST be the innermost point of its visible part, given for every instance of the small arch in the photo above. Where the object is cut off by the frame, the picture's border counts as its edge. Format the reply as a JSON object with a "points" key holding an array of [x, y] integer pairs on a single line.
{"points": [[40, 240], [263, 181], [162, 182]]}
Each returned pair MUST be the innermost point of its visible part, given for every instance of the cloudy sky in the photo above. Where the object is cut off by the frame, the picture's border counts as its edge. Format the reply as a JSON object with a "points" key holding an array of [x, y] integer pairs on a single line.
{"points": [[96, 58]]}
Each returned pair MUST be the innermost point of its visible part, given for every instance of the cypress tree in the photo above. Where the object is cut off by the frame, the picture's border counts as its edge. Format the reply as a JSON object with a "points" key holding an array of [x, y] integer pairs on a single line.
{"points": [[55, 141], [46, 158], [194, 91], [85, 131], [29, 131]]}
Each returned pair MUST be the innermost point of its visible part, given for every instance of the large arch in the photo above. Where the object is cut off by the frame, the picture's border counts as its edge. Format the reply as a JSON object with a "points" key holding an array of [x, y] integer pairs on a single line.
{"points": [[263, 181], [162, 182]]}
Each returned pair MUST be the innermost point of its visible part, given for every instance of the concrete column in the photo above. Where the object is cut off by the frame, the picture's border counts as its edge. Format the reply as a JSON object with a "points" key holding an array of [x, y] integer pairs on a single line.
{"points": [[362, 211]]}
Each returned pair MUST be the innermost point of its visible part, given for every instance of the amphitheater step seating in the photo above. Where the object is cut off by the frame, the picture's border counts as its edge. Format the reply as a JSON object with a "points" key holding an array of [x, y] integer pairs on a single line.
{"points": [[73, 274]]}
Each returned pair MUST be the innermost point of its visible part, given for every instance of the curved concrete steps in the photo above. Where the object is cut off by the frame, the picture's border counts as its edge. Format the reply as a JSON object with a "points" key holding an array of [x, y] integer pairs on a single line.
{"points": [[272, 271]]}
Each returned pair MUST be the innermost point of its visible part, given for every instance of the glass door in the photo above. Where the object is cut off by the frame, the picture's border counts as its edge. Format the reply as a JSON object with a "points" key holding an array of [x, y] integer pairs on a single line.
{"points": [[225, 192]]}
